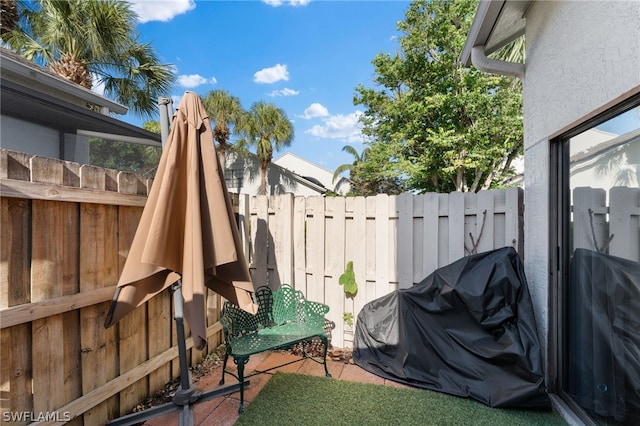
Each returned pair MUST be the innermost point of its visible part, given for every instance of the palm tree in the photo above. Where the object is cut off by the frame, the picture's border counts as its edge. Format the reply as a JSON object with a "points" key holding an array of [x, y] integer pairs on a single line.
{"points": [[224, 110], [512, 52], [266, 127], [358, 158], [87, 40], [9, 17]]}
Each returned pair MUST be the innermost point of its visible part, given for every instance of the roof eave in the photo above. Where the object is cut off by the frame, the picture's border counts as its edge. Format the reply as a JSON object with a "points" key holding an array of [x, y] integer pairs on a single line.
{"points": [[496, 23], [33, 73]]}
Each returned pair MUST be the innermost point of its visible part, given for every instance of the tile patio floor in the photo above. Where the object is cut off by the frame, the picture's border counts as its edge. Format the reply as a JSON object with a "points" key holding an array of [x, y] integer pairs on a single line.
{"points": [[224, 410]]}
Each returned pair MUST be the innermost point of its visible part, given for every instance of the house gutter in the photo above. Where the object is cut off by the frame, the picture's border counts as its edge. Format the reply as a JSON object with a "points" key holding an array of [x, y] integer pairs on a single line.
{"points": [[480, 61], [475, 49]]}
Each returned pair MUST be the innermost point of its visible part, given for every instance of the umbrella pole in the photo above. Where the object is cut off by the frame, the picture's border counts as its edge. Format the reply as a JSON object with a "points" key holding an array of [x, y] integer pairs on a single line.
{"points": [[187, 393]]}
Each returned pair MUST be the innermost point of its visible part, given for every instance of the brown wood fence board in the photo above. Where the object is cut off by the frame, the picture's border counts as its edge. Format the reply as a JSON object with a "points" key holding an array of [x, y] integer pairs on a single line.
{"points": [[133, 352], [72, 366], [98, 178], [15, 288], [98, 268], [42, 191], [59, 172], [175, 364], [16, 368], [54, 267], [159, 325], [27, 312], [214, 304], [133, 327], [14, 165]]}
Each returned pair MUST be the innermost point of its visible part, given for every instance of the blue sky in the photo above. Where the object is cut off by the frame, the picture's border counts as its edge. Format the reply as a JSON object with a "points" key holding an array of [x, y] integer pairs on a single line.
{"points": [[304, 56]]}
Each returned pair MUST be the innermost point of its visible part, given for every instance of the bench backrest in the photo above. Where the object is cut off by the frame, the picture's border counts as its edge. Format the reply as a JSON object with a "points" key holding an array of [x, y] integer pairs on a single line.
{"points": [[285, 305]]}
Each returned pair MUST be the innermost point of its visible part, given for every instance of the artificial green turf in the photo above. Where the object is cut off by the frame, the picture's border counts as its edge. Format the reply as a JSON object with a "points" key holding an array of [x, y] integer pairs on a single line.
{"points": [[296, 399]]}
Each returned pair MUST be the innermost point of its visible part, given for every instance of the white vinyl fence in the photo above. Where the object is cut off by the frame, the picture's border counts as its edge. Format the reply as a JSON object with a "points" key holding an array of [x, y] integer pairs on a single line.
{"points": [[393, 241], [612, 228]]}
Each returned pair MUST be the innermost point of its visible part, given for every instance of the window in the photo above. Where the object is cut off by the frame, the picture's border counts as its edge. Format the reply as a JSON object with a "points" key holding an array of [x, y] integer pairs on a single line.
{"points": [[596, 264], [233, 178]]}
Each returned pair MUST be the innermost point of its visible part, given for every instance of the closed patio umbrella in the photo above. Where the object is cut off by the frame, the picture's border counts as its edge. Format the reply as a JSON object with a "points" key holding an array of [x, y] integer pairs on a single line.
{"points": [[187, 240], [187, 229]]}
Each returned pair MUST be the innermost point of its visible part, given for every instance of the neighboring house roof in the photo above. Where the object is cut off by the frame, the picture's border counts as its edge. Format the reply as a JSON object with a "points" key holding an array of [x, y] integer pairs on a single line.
{"points": [[287, 181], [312, 172], [496, 23], [32, 93], [602, 145]]}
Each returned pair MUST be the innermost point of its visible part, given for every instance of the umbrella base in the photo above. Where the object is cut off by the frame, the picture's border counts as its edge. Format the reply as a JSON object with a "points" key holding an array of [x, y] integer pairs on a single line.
{"points": [[186, 395], [150, 413]]}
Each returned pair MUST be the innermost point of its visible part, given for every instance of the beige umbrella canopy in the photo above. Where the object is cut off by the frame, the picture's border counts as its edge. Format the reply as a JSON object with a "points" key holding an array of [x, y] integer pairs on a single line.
{"points": [[187, 229]]}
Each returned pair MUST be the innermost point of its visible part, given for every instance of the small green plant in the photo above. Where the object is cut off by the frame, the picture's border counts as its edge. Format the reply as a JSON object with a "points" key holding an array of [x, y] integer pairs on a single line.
{"points": [[348, 318], [348, 281]]}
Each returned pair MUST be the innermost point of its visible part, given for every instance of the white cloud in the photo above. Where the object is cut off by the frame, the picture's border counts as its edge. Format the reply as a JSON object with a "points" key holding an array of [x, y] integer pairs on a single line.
{"points": [[271, 75], [194, 80], [315, 110], [154, 10], [345, 127], [284, 92], [276, 3]]}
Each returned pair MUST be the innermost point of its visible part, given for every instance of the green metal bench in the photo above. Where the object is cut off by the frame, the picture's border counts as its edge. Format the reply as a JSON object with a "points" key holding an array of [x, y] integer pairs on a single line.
{"points": [[284, 319]]}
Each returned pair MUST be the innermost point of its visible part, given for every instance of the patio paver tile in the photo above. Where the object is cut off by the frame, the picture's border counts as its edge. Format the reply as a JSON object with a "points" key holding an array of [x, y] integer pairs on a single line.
{"points": [[355, 373]]}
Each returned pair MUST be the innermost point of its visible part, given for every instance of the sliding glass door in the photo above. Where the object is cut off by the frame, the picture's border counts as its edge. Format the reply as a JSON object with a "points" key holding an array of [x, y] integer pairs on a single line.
{"points": [[597, 301]]}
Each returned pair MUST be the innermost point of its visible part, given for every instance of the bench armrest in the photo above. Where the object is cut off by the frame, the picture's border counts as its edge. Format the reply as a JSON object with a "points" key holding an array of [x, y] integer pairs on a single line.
{"points": [[313, 313]]}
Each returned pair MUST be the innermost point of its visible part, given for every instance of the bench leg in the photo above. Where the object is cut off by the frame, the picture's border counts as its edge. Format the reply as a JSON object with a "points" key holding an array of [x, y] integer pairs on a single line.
{"points": [[325, 341], [224, 366], [240, 362]]}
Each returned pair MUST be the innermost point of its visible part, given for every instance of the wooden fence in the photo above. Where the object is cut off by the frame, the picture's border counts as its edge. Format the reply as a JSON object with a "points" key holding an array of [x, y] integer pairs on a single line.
{"points": [[393, 241], [65, 229]]}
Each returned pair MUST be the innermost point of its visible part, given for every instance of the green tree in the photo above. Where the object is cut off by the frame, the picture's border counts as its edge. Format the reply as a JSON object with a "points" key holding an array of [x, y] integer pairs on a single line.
{"points": [[266, 127], [349, 167], [377, 173], [365, 175], [87, 40], [433, 124], [224, 110], [512, 52]]}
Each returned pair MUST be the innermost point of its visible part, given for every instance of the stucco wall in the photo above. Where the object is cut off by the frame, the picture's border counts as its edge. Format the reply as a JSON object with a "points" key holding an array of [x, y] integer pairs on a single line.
{"points": [[580, 56]]}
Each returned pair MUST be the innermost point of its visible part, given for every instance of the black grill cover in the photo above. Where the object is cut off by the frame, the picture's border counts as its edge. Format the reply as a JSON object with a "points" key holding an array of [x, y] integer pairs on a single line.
{"points": [[468, 329], [604, 335]]}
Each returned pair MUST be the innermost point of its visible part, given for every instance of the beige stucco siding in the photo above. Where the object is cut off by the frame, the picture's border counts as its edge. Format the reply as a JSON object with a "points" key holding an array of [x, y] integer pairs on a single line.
{"points": [[580, 56]]}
